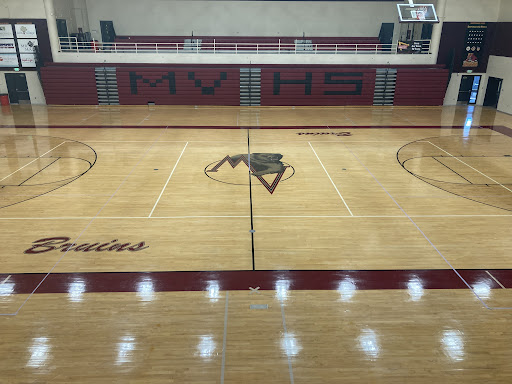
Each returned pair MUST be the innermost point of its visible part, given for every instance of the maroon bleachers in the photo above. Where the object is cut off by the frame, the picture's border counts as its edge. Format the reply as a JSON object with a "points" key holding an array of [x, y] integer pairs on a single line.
{"points": [[426, 86], [181, 84], [69, 85]]}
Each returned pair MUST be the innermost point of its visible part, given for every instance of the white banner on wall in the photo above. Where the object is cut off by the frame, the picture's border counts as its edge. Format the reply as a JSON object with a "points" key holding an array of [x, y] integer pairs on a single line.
{"points": [[27, 45], [8, 60], [28, 60], [7, 46], [26, 31], [6, 31]]}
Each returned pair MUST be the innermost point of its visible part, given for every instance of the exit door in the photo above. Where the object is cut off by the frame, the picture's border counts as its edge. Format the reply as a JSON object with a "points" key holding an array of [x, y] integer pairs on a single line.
{"points": [[492, 95], [17, 88], [468, 91]]}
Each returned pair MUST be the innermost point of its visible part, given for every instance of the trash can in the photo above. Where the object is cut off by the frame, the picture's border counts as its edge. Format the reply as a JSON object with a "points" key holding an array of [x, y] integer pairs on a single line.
{"points": [[4, 99]]}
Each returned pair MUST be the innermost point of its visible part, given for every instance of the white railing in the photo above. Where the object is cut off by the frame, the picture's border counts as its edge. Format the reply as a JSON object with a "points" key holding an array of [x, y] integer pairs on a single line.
{"points": [[70, 44]]}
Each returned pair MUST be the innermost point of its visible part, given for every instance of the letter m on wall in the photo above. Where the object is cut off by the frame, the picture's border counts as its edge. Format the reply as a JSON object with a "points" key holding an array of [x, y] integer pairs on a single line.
{"points": [[136, 80]]}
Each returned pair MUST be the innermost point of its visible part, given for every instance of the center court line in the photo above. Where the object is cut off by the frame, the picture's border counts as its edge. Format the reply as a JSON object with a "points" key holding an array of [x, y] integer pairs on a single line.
{"points": [[224, 340], [33, 160], [474, 169], [495, 279], [163, 189], [87, 226], [424, 235], [334, 185]]}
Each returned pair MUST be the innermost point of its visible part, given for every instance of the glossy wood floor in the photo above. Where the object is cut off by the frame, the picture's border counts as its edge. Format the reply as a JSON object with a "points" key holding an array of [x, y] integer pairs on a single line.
{"points": [[365, 245]]}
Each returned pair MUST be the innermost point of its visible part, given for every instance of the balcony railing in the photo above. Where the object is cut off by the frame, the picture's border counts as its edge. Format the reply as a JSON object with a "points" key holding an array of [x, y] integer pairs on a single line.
{"points": [[70, 44]]}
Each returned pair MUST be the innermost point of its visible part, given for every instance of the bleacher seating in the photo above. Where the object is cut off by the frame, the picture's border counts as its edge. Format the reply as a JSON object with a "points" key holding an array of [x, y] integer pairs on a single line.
{"points": [[167, 84], [421, 86], [69, 84]]}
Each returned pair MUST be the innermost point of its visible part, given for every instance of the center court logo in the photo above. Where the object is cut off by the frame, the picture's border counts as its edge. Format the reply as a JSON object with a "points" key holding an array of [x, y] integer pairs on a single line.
{"points": [[262, 166]]}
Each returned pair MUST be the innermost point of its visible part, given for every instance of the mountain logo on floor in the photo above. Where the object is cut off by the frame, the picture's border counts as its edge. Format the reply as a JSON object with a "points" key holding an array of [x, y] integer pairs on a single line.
{"points": [[267, 168]]}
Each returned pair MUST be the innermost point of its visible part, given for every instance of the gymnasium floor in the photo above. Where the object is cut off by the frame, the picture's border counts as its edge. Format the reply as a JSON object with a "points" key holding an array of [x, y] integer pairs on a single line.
{"points": [[353, 245]]}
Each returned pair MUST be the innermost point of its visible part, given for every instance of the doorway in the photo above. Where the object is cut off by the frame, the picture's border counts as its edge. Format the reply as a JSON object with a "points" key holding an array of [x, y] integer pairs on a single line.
{"points": [[108, 34], [17, 88], [468, 90], [62, 31], [492, 94]]}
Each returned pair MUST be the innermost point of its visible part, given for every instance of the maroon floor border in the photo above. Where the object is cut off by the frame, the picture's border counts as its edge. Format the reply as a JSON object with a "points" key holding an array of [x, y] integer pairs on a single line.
{"points": [[497, 128], [24, 283]]}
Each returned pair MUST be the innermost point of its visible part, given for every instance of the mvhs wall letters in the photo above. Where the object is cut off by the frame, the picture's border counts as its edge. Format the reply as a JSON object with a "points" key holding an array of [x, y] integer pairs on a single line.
{"points": [[171, 79], [329, 78]]}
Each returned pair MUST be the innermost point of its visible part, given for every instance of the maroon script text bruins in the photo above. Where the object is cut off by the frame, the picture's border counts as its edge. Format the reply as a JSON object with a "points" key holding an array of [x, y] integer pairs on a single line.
{"points": [[63, 244]]}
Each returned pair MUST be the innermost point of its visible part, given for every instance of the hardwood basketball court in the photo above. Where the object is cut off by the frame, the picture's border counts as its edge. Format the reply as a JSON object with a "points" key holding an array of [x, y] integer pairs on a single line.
{"points": [[279, 244]]}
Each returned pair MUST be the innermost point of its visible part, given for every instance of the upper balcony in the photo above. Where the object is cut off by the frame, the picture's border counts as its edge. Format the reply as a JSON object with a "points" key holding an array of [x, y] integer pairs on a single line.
{"points": [[244, 50]]}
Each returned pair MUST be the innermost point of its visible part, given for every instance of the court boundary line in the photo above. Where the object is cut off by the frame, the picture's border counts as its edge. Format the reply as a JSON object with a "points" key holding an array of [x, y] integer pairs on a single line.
{"points": [[332, 182], [172, 172], [426, 237], [86, 227], [37, 158]]}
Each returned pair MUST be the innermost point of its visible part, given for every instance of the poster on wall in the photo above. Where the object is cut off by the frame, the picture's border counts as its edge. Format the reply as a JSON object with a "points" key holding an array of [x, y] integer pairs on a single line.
{"points": [[27, 45], [7, 46], [6, 31], [26, 31], [8, 60], [28, 60], [411, 46], [474, 43]]}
